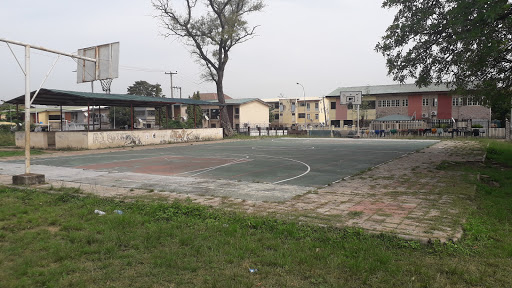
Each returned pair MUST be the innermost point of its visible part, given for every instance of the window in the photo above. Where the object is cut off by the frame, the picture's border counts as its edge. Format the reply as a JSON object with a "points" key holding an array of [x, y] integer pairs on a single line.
{"points": [[316, 106], [388, 103], [434, 102], [333, 105], [397, 103], [473, 102], [368, 104], [281, 107], [457, 101], [379, 103], [405, 102], [293, 107], [53, 117], [276, 116], [151, 113], [308, 116], [302, 115], [237, 110], [316, 117], [302, 104], [425, 102], [215, 114], [276, 105], [308, 106]]}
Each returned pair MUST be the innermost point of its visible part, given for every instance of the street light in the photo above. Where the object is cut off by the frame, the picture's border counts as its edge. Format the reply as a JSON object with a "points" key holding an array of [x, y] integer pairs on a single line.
{"points": [[304, 94]]}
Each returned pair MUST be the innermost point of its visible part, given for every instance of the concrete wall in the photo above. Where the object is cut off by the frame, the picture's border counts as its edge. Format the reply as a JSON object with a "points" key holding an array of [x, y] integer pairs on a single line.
{"points": [[37, 139], [72, 140], [110, 139]]}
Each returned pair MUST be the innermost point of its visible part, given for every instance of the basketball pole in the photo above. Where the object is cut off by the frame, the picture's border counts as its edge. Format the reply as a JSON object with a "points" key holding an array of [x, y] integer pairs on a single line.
{"points": [[29, 101], [27, 109]]}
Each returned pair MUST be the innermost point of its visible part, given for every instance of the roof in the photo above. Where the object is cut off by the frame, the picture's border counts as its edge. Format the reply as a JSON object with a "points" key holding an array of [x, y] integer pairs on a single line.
{"points": [[395, 117], [297, 99], [242, 101], [57, 109], [212, 96], [74, 98], [390, 89]]}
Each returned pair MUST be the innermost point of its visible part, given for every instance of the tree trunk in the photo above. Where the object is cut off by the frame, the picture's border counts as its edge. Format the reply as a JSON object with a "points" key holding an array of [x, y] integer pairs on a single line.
{"points": [[225, 122]]}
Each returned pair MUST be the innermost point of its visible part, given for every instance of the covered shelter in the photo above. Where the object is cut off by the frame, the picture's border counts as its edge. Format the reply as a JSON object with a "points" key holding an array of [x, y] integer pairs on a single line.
{"points": [[74, 98], [103, 139], [396, 122]]}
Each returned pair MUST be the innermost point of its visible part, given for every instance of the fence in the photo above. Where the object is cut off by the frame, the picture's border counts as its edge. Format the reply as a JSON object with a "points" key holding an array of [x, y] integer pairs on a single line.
{"points": [[261, 131]]}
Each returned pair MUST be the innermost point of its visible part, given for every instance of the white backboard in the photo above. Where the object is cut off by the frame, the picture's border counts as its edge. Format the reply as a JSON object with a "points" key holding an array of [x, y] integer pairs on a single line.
{"points": [[106, 66], [353, 97]]}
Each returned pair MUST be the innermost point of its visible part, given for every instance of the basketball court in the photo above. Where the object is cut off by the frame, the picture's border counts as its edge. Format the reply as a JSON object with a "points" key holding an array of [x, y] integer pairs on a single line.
{"points": [[280, 161]]}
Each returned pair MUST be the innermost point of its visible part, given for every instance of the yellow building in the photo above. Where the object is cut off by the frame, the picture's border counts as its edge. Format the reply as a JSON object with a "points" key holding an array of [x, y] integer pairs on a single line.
{"points": [[300, 113], [242, 113]]}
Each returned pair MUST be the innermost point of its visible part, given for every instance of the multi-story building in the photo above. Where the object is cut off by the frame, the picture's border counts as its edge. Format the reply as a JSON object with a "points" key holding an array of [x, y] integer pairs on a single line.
{"points": [[431, 103], [295, 112]]}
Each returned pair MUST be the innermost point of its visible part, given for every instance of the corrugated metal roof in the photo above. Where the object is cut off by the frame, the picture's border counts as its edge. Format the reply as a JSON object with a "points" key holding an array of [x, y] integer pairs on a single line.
{"points": [[75, 98], [242, 101], [212, 96], [395, 117], [390, 89]]}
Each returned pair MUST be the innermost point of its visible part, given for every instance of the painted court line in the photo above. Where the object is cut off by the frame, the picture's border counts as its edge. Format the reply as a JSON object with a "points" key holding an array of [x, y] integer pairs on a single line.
{"points": [[204, 170], [292, 178]]}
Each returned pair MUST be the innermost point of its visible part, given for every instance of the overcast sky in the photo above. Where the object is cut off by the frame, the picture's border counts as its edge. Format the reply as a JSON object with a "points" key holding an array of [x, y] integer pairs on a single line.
{"points": [[323, 44]]}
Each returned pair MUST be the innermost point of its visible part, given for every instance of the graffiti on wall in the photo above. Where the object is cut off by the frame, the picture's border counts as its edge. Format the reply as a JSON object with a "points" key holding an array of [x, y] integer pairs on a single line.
{"points": [[109, 139], [106, 138]]}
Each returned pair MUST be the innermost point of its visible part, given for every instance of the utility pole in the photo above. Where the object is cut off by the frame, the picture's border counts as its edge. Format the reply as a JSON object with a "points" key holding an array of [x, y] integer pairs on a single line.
{"points": [[177, 88], [171, 73]]}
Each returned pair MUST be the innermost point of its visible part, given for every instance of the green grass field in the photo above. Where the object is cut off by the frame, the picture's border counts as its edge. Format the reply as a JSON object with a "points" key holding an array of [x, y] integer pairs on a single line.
{"points": [[53, 238], [7, 138], [12, 153]]}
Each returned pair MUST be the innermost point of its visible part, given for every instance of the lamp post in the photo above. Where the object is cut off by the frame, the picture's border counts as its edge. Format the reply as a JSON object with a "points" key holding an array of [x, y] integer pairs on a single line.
{"points": [[304, 94]]}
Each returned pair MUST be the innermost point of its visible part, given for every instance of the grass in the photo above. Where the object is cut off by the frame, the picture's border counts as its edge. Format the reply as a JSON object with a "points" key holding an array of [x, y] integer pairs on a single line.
{"points": [[12, 153], [53, 238], [7, 138]]}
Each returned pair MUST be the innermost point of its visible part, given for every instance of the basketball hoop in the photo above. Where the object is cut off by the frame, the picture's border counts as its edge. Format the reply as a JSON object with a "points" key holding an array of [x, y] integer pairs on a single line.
{"points": [[105, 85]]}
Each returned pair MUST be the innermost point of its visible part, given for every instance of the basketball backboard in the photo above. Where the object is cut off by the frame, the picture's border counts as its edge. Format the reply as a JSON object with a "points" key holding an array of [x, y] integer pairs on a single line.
{"points": [[354, 97], [106, 66]]}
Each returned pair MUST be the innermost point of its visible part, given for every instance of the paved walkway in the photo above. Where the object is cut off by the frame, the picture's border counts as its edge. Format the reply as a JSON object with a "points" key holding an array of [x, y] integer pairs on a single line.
{"points": [[408, 196]]}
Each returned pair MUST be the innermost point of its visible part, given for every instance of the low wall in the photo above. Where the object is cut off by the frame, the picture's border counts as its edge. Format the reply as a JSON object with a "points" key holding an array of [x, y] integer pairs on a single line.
{"points": [[111, 139], [38, 140]]}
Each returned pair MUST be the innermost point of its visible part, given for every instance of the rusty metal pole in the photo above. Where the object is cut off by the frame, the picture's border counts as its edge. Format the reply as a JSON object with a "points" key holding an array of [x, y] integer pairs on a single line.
{"points": [[99, 112], [131, 108], [61, 128], [166, 116], [88, 116]]}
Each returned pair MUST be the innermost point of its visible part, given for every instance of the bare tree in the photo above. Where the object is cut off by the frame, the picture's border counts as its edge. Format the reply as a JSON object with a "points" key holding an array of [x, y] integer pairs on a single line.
{"points": [[211, 35]]}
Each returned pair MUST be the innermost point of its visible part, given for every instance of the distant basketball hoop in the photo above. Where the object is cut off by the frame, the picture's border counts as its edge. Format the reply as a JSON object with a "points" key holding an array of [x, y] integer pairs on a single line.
{"points": [[354, 98], [106, 67]]}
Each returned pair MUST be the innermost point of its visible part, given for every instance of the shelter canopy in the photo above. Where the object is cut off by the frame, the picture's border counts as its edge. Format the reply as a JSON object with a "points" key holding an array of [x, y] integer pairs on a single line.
{"points": [[74, 98]]}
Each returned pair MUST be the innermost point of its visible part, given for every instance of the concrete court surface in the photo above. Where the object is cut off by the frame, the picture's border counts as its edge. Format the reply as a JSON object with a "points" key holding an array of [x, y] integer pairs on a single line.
{"points": [[409, 212], [283, 161]]}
